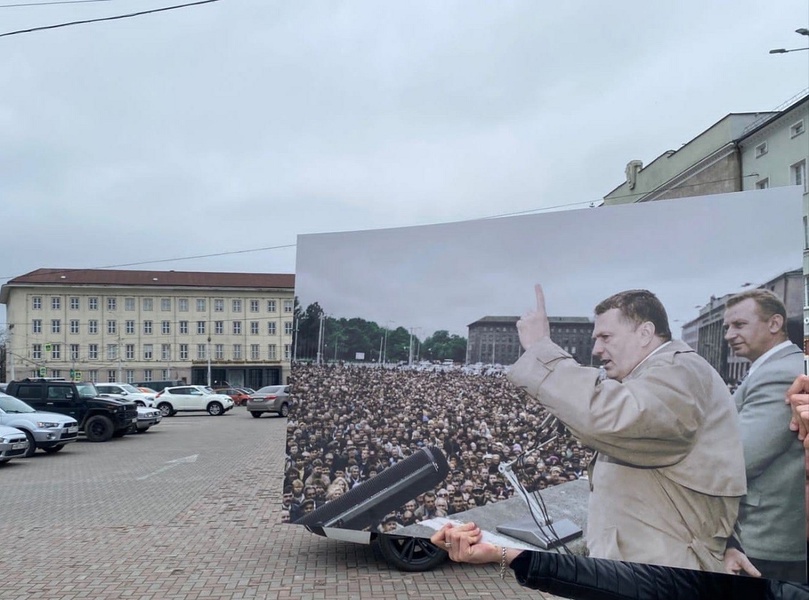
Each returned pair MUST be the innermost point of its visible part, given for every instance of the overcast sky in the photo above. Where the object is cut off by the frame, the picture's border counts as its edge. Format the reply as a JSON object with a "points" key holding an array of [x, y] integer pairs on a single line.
{"points": [[240, 124], [447, 276]]}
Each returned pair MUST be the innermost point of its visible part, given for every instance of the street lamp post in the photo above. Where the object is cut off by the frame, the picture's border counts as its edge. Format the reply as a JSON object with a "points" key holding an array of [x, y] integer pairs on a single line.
{"points": [[800, 31]]}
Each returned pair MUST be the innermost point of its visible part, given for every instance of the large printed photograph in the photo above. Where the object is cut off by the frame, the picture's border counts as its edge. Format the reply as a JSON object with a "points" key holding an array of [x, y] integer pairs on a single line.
{"points": [[608, 381]]}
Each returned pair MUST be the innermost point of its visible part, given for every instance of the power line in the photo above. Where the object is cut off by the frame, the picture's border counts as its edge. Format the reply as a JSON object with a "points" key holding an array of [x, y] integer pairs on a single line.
{"points": [[50, 3], [112, 18]]}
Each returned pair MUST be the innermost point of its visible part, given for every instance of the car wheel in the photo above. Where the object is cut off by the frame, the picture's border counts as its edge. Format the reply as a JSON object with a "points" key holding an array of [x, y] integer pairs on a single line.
{"points": [[54, 449], [410, 553], [32, 444], [165, 409], [255, 414], [118, 433], [215, 409], [284, 412], [139, 403], [98, 428]]}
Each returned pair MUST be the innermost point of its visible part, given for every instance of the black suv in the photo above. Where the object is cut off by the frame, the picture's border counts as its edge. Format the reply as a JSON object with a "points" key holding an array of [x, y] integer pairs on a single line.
{"points": [[100, 418]]}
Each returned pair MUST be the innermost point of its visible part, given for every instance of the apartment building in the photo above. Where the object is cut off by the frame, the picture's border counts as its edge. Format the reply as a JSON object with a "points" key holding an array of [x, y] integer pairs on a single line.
{"points": [[140, 326]]}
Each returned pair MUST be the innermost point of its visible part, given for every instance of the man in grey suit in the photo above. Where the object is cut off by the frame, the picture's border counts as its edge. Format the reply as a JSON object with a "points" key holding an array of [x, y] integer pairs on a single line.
{"points": [[771, 515]]}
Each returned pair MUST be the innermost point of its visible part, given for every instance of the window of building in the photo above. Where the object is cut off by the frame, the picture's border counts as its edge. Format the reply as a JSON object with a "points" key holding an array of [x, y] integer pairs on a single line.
{"points": [[110, 376], [112, 326], [288, 306], [129, 305], [130, 376], [74, 351], [286, 351], [74, 326], [165, 327], [57, 373], [271, 352], [761, 149], [165, 351], [255, 352], [56, 326], [92, 326], [36, 351], [237, 306], [254, 305], [92, 376], [112, 351], [183, 351], [165, 304], [798, 174], [56, 303], [129, 351], [200, 304], [219, 351], [218, 305], [112, 303], [148, 352], [165, 374], [148, 304], [147, 328], [287, 327], [763, 184], [271, 328], [92, 352], [254, 327], [796, 129], [219, 327], [201, 327], [182, 304], [75, 304], [237, 327], [237, 351], [201, 351], [36, 326], [92, 303], [36, 302], [271, 306], [129, 327], [147, 375], [184, 327]]}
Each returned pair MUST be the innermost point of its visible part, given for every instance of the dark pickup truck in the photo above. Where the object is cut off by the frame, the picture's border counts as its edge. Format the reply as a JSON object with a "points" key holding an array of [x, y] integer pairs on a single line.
{"points": [[100, 418]]}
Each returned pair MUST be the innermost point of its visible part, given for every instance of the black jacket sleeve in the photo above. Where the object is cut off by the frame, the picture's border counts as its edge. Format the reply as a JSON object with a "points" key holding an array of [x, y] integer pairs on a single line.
{"points": [[586, 578]]}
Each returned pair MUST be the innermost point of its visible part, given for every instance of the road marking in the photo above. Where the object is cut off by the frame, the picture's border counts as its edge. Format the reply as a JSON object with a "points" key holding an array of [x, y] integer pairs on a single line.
{"points": [[170, 465]]}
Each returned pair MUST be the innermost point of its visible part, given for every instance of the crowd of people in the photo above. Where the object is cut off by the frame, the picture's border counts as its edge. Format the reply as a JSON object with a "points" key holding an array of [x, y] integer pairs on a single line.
{"points": [[350, 422]]}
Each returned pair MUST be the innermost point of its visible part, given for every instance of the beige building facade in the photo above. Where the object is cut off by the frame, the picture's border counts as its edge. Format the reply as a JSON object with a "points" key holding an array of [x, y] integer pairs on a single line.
{"points": [[142, 326]]}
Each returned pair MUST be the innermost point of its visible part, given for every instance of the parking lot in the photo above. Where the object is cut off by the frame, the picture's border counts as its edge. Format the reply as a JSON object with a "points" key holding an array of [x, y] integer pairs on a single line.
{"points": [[189, 510]]}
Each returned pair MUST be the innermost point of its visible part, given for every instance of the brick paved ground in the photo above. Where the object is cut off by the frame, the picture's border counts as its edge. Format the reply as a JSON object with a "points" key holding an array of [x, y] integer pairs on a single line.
{"points": [[189, 511]]}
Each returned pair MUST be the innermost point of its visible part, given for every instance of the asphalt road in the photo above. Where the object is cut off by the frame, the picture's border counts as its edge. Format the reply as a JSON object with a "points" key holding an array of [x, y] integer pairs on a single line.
{"points": [[189, 510]]}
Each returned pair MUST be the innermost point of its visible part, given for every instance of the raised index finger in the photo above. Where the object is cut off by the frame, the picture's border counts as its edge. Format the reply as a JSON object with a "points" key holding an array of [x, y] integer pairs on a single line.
{"points": [[540, 298]]}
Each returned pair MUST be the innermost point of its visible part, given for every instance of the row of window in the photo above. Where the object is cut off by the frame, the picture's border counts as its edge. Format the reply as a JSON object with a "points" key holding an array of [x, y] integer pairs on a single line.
{"points": [[74, 327], [147, 304], [148, 352], [797, 176]]}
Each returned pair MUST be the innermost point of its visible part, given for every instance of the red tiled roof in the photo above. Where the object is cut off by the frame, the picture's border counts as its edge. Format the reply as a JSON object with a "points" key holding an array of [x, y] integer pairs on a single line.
{"points": [[155, 278]]}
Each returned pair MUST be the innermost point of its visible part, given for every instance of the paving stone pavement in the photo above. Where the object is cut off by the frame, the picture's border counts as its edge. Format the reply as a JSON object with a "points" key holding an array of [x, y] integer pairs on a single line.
{"points": [[187, 511]]}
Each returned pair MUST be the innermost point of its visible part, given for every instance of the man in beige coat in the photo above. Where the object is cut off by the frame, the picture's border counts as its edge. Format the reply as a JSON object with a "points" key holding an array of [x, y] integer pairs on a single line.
{"points": [[669, 474]]}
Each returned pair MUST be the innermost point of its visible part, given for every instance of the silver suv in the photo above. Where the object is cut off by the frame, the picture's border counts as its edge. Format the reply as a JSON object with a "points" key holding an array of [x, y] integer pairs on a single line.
{"points": [[45, 430]]}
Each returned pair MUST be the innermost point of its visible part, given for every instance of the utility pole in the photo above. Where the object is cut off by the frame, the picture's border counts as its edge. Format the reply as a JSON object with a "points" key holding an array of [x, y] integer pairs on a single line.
{"points": [[320, 340]]}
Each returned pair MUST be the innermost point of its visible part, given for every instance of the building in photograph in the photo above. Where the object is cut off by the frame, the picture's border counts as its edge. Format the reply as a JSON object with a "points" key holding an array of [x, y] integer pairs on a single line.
{"points": [[141, 326], [494, 340]]}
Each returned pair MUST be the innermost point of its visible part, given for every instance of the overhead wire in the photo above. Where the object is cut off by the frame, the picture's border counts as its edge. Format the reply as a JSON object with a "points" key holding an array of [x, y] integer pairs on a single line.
{"points": [[52, 2]]}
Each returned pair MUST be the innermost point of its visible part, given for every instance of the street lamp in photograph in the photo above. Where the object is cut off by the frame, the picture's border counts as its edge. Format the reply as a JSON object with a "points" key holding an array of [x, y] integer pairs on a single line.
{"points": [[801, 31]]}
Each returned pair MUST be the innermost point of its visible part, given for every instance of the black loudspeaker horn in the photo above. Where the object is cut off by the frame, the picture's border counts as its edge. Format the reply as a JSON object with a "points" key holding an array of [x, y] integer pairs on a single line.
{"points": [[368, 503]]}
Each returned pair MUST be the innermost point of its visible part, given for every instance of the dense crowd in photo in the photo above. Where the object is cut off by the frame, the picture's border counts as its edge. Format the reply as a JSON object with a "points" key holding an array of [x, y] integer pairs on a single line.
{"points": [[350, 422]]}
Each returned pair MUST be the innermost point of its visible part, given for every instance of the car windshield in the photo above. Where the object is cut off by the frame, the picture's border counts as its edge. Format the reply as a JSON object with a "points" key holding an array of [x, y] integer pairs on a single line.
{"points": [[11, 405], [131, 389], [87, 390], [270, 389]]}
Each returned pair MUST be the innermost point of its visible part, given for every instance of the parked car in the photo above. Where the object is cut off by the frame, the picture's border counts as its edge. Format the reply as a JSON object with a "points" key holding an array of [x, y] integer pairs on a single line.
{"points": [[270, 398], [126, 391], [159, 386], [46, 430], [147, 417], [192, 397], [13, 443], [238, 395], [100, 418], [147, 390]]}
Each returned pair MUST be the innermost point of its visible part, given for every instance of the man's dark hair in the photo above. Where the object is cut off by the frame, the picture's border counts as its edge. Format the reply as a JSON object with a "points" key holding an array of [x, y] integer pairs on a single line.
{"points": [[767, 305], [639, 306]]}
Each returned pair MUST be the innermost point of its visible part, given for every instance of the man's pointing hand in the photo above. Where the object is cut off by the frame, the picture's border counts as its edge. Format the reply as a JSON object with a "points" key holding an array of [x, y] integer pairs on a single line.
{"points": [[534, 324]]}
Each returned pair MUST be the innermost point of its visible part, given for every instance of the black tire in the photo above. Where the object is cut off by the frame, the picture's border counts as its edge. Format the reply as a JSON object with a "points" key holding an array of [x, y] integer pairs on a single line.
{"points": [[98, 428], [215, 409], [119, 433], [410, 554], [139, 403], [165, 409], [255, 414], [32, 444], [54, 449], [284, 412]]}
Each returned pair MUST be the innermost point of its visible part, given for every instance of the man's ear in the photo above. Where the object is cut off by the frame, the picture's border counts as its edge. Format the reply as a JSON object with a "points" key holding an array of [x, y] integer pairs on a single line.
{"points": [[647, 332], [775, 323]]}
